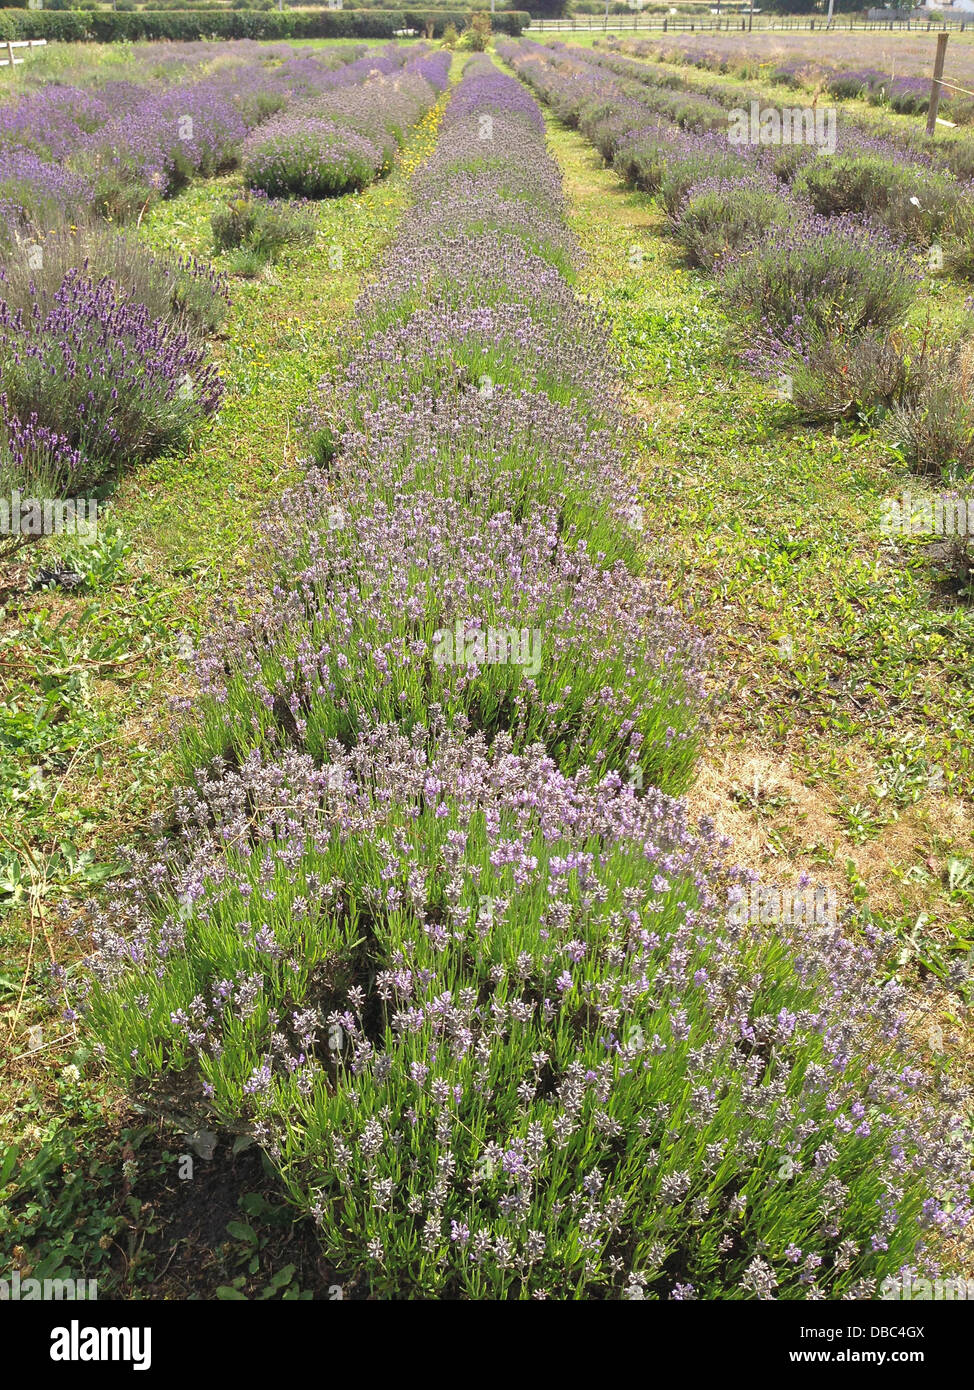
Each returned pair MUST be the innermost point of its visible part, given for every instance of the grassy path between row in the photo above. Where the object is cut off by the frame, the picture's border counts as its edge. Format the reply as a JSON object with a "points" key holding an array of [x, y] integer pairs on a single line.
{"points": [[840, 742], [86, 758]]}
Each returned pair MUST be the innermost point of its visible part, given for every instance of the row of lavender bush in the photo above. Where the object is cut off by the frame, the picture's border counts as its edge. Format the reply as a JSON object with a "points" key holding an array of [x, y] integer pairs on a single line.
{"points": [[427, 925], [103, 346], [908, 94], [326, 146], [112, 146], [817, 253], [919, 189]]}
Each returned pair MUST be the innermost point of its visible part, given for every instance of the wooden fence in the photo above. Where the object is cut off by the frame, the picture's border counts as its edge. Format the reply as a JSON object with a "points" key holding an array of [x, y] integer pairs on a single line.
{"points": [[683, 24], [10, 44]]}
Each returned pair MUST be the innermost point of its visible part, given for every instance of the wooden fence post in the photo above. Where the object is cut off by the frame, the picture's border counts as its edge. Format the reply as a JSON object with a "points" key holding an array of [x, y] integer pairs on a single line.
{"points": [[938, 72]]}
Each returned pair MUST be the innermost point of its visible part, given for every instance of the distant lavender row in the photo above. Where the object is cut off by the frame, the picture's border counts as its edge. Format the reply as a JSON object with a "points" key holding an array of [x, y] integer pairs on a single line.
{"points": [[901, 143], [806, 226], [103, 346], [697, 106], [821, 250], [907, 93], [331, 144], [112, 148]]}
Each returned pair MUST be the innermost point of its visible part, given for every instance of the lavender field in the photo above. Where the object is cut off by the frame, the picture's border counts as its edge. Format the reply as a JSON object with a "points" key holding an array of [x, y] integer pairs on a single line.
{"points": [[486, 785], [888, 58]]}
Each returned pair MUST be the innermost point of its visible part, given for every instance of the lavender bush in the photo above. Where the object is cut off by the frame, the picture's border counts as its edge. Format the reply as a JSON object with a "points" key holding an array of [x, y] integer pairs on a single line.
{"points": [[846, 376], [339, 143], [311, 157], [832, 275], [910, 96], [717, 216], [931, 423], [180, 290], [855, 82], [34, 192], [958, 241], [911, 202], [36, 461], [97, 369]]}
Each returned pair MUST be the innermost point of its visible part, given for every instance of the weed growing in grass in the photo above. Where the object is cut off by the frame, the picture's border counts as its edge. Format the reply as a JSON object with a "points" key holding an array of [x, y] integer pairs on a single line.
{"points": [[334, 146], [262, 226]]}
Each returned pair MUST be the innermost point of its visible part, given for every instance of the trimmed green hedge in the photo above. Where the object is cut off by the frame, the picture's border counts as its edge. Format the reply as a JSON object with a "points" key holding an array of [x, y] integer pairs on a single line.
{"points": [[64, 25], [106, 26], [503, 22]]}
